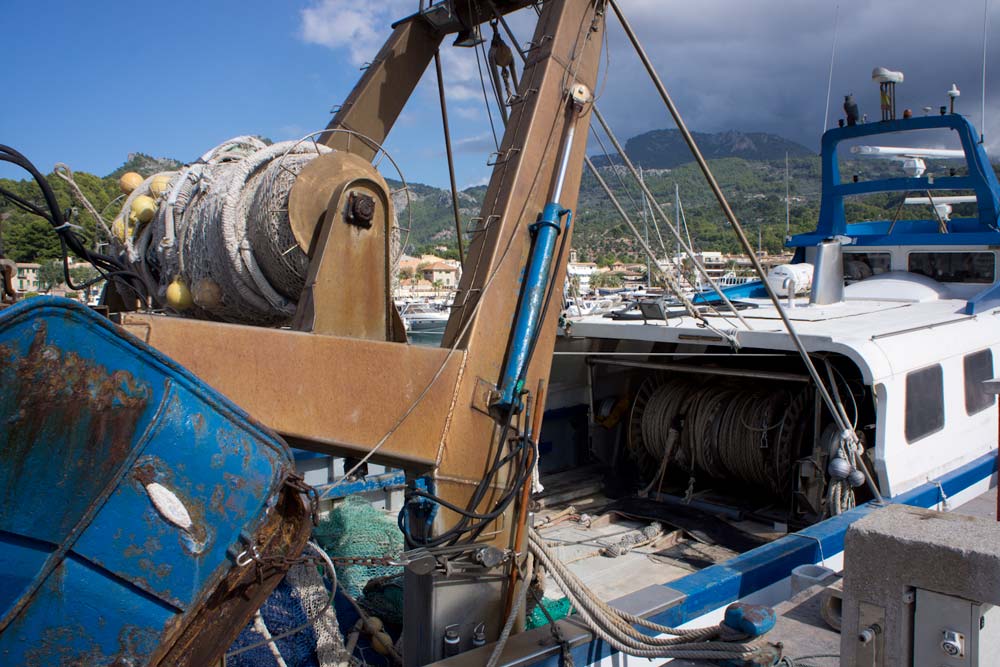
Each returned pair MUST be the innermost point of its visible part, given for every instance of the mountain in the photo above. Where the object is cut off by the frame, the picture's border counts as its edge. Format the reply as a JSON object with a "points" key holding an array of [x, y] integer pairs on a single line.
{"points": [[754, 187], [147, 165], [665, 149]]}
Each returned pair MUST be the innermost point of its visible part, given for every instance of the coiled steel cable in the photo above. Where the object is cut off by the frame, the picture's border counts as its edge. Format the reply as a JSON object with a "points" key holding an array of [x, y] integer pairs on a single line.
{"points": [[729, 431]]}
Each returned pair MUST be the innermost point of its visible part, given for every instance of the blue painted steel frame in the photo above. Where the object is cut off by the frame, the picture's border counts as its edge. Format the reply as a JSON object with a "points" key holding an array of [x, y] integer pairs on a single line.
{"points": [[980, 179], [371, 483], [719, 585]]}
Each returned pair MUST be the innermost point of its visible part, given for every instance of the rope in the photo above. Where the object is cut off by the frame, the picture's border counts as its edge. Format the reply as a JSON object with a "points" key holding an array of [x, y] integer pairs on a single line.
{"points": [[797, 662], [616, 628], [332, 573], [64, 172], [222, 227], [261, 627], [519, 596]]}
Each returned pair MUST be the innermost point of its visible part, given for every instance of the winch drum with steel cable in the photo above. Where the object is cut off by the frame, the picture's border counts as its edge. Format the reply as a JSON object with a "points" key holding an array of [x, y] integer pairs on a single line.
{"points": [[215, 240], [727, 429]]}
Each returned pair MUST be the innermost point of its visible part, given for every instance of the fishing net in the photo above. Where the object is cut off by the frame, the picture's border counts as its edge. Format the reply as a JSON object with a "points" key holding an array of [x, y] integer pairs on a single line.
{"points": [[383, 597], [355, 529], [297, 600], [558, 609]]}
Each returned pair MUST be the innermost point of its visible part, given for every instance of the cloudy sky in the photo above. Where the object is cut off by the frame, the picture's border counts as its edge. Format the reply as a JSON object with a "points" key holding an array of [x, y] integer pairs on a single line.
{"points": [[105, 82]]}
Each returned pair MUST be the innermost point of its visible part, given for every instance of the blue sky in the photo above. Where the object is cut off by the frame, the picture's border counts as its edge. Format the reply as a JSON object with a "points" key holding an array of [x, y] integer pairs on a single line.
{"points": [[174, 79], [88, 83]]}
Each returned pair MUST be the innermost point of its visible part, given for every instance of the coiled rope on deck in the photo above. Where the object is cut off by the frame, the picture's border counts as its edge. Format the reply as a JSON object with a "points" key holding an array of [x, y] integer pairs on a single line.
{"points": [[617, 628]]}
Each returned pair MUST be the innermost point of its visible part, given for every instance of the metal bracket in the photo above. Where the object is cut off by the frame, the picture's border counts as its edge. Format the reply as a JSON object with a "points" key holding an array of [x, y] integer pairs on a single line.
{"points": [[485, 394], [466, 296], [474, 229], [518, 99], [533, 45], [501, 157]]}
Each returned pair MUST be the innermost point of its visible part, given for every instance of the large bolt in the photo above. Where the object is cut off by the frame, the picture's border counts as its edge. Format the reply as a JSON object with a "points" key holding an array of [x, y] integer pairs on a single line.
{"points": [[361, 209], [867, 635]]}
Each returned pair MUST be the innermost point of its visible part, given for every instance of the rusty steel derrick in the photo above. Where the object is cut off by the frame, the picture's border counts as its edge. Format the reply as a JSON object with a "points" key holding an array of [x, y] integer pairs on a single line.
{"points": [[339, 384]]}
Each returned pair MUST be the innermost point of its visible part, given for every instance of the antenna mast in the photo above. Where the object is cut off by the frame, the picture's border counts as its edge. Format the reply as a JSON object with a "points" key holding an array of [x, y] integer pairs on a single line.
{"points": [[986, 22], [829, 81]]}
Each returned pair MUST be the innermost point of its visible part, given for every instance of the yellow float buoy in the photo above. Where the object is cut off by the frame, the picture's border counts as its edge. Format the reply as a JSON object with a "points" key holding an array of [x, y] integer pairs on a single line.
{"points": [[207, 294], [178, 295], [382, 643], [129, 182], [120, 230], [372, 624], [159, 185], [143, 208]]}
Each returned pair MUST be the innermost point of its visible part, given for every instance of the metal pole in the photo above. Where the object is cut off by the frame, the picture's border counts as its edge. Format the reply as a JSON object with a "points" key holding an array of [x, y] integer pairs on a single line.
{"points": [[451, 159], [788, 203], [674, 286], [982, 126], [829, 80], [737, 228], [702, 370], [645, 229], [564, 162], [627, 161]]}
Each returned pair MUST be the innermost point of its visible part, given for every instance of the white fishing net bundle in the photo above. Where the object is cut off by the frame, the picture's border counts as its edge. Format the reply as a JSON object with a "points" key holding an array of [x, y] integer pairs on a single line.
{"points": [[313, 595], [221, 227]]}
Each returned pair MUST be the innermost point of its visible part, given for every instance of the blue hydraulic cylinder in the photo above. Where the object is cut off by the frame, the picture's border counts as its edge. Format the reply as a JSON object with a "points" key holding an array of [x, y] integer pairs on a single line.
{"points": [[536, 281]]}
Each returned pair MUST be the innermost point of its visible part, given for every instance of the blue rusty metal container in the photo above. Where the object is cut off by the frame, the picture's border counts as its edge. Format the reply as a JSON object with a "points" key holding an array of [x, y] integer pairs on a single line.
{"points": [[129, 493]]}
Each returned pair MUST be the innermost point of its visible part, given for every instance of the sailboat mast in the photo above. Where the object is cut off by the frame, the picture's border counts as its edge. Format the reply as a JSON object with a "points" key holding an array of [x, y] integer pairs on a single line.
{"points": [[677, 217], [788, 210], [645, 226]]}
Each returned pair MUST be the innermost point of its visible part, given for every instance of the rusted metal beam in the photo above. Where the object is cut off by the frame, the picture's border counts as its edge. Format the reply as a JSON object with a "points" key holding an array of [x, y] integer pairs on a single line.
{"points": [[378, 98], [351, 248], [329, 394], [567, 45]]}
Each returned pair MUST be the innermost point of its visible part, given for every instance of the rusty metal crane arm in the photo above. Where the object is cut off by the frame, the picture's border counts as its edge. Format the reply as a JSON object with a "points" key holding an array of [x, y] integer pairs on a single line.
{"points": [[426, 408]]}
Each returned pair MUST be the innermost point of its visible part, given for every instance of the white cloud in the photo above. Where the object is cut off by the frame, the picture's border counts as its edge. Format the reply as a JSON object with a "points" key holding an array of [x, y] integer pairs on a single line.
{"points": [[763, 65], [484, 180], [468, 113], [358, 28]]}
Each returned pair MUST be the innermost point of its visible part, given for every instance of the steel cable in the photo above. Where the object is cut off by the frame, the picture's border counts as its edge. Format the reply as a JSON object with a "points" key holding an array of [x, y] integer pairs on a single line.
{"points": [[726, 431]]}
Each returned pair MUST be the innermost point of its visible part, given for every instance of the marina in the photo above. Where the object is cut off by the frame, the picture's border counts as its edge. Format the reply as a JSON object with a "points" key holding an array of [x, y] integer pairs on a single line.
{"points": [[283, 436]]}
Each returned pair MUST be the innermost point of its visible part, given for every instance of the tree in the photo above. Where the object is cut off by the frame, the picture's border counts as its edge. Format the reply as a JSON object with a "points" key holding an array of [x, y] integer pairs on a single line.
{"points": [[82, 274], [50, 275], [606, 280]]}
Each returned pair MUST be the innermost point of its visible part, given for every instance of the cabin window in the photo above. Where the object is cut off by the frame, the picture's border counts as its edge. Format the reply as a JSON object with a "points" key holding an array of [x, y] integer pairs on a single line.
{"points": [[924, 402], [978, 367], [954, 267], [861, 265]]}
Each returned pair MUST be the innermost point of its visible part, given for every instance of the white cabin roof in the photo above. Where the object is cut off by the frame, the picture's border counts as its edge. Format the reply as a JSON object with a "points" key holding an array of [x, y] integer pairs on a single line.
{"points": [[891, 324]]}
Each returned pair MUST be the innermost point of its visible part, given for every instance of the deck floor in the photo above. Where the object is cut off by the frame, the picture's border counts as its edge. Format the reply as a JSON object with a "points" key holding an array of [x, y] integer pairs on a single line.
{"points": [[576, 522]]}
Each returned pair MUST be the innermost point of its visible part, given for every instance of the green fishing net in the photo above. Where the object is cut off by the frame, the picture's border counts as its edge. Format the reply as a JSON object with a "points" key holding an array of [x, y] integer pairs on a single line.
{"points": [[356, 529], [558, 609]]}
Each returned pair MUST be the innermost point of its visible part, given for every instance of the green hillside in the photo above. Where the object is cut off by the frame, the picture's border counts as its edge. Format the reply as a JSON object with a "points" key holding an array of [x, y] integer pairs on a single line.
{"points": [[755, 189]]}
